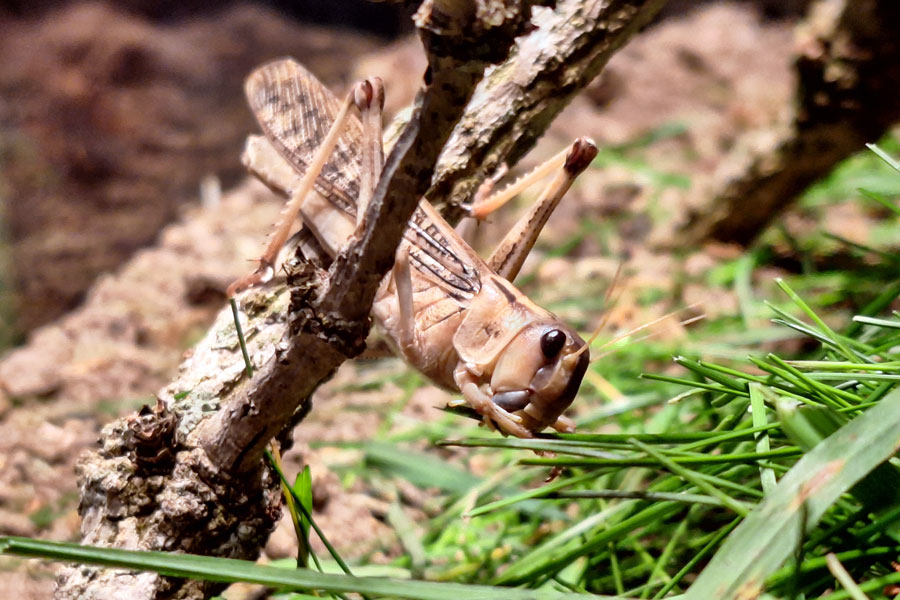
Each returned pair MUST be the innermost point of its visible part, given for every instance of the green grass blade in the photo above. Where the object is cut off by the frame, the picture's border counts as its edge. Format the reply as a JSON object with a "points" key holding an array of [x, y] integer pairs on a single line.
{"points": [[302, 489], [877, 322], [738, 507], [731, 458], [880, 199], [240, 333], [539, 492], [229, 570], [757, 402], [884, 156], [550, 558], [420, 469], [299, 505], [873, 585], [770, 534], [825, 329], [709, 547]]}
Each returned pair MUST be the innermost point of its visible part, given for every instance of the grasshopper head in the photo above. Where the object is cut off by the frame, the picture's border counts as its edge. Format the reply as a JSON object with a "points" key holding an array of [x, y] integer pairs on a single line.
{"points": [[538, 374]]}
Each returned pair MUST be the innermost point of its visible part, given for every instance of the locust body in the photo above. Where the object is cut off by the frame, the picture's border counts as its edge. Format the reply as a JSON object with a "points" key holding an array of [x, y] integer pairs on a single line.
{"points": [[452, 315]]}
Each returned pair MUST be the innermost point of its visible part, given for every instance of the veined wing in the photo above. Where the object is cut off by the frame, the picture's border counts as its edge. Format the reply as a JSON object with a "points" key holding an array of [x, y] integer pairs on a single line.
{"points": [[295, 111], [440, 255]]}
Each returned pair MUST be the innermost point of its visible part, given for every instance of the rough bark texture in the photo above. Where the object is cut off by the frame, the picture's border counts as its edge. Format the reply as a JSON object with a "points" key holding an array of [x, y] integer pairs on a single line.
{"points": [[848, 77], [518, 99], [188, 475]]}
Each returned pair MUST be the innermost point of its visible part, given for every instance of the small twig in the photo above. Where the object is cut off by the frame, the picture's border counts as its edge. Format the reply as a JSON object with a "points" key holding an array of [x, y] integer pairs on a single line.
{"points": [[240, 335]]}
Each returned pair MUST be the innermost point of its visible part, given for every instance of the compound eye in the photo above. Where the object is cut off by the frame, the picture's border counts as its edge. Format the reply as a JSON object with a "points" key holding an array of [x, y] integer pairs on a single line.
{"points": [[552, 342]]}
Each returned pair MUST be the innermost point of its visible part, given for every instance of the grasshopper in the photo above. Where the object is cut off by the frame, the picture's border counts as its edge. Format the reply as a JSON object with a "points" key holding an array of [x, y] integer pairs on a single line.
{"points": [[452, 315]]}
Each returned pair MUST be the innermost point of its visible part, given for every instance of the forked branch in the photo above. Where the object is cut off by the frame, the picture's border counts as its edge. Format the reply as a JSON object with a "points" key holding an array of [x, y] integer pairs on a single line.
{"points": [[518, 99]]}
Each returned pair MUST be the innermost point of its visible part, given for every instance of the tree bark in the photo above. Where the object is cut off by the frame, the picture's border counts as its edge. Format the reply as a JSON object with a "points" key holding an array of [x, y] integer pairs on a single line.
{"points": [[187, 475], [518, 99], [848, 78]]}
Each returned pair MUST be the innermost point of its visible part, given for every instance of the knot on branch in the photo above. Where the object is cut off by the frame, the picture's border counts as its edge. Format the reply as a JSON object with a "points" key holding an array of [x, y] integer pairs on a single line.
{"points": [[479, 30], [149, 439], [347, 336]]}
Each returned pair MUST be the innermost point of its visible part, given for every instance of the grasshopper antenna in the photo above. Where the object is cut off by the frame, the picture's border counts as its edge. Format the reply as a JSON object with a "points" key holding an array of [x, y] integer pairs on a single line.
{"points": [[647, 325], [614, 287]]}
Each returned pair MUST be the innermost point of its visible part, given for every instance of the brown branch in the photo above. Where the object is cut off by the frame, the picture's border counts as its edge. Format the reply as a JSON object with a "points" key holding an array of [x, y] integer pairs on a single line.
{"points": [[517, 100], [188, 475], [848, 78]]}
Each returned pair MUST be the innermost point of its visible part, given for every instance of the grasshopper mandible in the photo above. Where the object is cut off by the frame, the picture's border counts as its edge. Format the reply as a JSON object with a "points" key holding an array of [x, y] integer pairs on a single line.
{"points": [[449, 313]]}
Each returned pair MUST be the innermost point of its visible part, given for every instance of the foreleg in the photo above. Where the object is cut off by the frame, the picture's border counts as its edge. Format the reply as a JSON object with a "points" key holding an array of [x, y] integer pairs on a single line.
{"points": [[494, 416]]}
